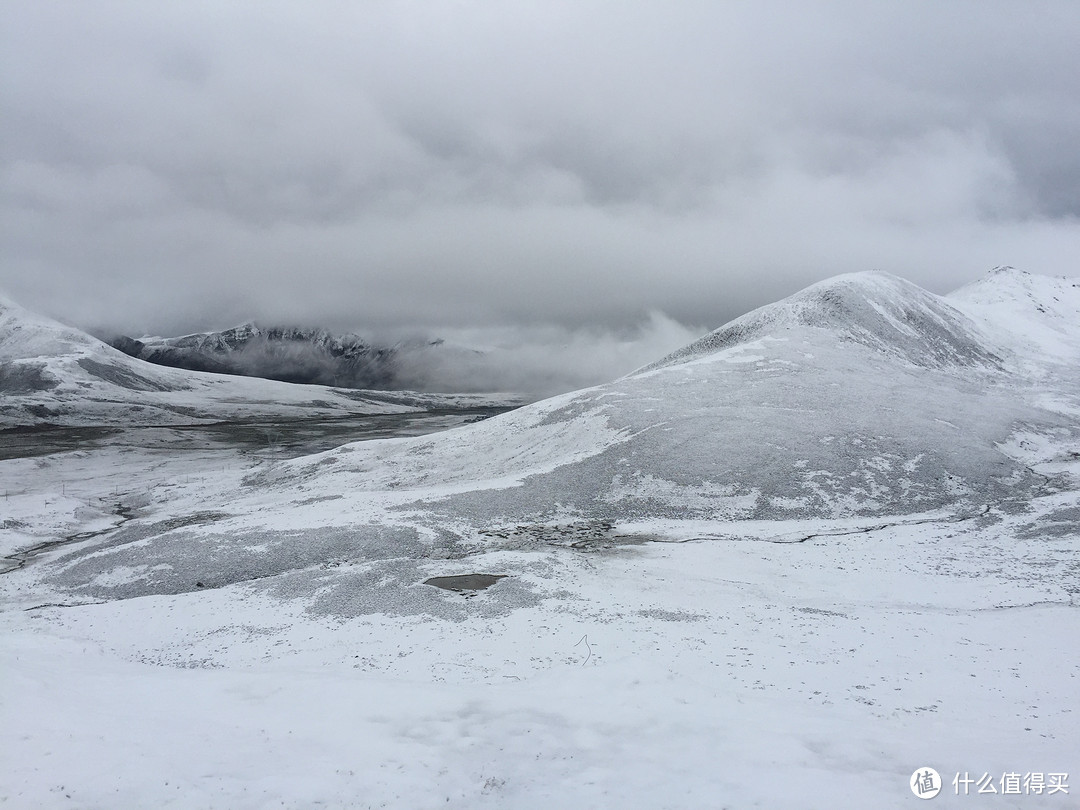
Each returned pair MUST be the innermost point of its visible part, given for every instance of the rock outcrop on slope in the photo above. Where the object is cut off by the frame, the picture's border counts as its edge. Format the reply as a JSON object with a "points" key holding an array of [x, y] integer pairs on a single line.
{"points": [[318, 357], [309, 356]]}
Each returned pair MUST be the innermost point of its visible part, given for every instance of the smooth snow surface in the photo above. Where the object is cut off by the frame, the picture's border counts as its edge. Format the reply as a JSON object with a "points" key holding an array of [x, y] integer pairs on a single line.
{"points": [[832, 542]]}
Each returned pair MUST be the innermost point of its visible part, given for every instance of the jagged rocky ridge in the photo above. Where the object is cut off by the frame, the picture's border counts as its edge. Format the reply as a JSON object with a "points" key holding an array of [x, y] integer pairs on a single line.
{"points": [[288, 354]]}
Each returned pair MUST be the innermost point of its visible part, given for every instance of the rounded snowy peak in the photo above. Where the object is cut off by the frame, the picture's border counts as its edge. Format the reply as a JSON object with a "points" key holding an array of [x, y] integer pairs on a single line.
{"points": [[25, 334], [1023, 290], [1034, 315], [872, 308]]}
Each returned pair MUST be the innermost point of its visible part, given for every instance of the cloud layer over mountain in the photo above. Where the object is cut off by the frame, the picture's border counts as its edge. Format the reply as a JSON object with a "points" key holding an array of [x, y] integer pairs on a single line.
{"points": [[184, 167]]}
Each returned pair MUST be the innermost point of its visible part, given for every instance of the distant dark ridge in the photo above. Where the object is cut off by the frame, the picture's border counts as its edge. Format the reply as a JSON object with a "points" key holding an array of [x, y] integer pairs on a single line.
{"points": [[295, 355]]}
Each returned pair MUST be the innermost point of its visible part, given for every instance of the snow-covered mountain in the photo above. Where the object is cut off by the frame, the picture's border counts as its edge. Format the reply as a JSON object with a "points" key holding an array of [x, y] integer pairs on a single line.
{"points": [[300, 355], [51, 373], [287, 354], [1033, 318]]}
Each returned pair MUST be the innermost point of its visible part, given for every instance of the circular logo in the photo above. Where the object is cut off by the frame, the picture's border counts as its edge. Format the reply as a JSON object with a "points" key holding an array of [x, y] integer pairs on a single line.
{"points": [[925, 783]]}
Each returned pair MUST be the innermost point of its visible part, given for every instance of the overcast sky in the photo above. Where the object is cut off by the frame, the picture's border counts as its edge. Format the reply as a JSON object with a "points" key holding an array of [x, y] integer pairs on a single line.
{"points": [[168, 167]]}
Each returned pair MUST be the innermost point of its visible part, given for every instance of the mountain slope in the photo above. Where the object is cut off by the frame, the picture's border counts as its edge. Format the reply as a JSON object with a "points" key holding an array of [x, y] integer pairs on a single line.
{"points": [[1034, 318], [882, 312]]}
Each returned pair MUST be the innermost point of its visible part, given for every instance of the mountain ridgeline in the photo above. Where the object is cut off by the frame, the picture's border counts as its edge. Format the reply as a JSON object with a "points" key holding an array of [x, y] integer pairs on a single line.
{"points": [[296, 355]]}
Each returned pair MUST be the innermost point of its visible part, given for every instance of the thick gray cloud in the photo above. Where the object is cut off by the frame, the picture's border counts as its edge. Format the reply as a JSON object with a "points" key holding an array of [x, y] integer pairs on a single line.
{"points": [[382, 165]]}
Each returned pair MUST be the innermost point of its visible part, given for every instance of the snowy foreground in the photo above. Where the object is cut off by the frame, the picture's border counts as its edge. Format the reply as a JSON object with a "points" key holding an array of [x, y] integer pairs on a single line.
{"points": [[830, 544]]}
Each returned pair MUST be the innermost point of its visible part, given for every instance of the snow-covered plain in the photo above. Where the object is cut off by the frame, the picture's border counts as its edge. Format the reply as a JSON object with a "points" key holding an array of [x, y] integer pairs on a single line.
{"points": [[832, 542]]}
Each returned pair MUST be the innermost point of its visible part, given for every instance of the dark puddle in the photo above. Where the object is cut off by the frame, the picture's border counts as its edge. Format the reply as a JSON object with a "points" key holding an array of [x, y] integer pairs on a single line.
{"points": [[465, 582]]}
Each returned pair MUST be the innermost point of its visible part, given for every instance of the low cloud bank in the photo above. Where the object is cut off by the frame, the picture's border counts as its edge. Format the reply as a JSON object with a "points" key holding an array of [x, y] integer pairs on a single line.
{"points": [[541, 360]]}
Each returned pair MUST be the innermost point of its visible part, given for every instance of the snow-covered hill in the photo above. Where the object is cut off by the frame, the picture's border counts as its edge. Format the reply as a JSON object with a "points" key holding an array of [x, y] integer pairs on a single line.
{"points": [[892, 317], [51, 373], [1033, 318], [863, 396]]}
